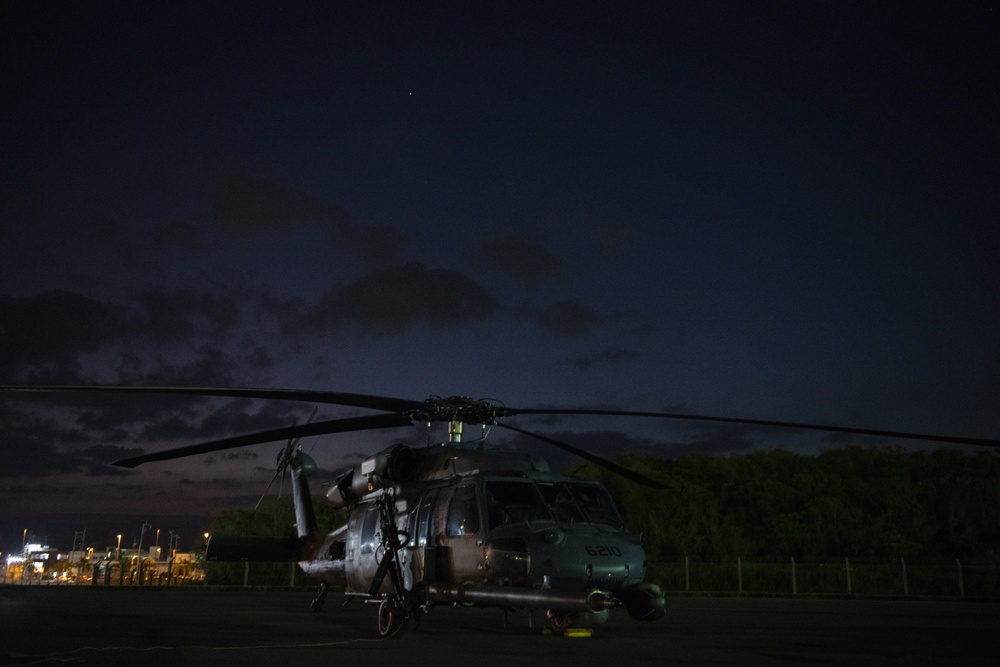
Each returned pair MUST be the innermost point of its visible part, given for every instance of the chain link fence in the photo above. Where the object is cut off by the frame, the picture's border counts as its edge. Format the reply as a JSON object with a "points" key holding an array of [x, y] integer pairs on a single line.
{"points": [[916, 578], [861, 578]]}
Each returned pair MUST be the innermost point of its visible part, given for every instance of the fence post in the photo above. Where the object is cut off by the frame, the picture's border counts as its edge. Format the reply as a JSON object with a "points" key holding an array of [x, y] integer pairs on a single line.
{"points": [[687, 574], [795, 586], [246, 574], [906, 586], [739, 574], [847, 564], [961, 582]]}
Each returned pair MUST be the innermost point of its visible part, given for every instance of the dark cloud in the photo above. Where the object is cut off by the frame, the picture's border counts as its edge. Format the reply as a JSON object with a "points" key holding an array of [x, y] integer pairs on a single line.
{"points": [[242, 455], [374, 244], [570, 319], [259, 358], [707, 440], [27, 448], [211, 419], [527, 262], [243, 416], [111, 230], [176, 232], [390, 302], [606, 444], [131, 240], [202, 366], [241, 201], [283, 309], [177, 315], [18, 204], [610, 356], [713, 439], [44, 335], [42, 338], [95, 460], [69, 433], [116, 429]]}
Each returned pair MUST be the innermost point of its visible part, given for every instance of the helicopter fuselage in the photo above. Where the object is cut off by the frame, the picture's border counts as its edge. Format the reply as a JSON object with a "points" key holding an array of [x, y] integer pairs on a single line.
{"points": [[478, 528]]}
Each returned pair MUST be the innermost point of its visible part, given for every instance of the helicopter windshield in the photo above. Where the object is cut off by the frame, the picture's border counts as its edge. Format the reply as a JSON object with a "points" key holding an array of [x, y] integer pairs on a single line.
{"points": [[560, 500], [575, 502], [596, 504], [509, 502]]}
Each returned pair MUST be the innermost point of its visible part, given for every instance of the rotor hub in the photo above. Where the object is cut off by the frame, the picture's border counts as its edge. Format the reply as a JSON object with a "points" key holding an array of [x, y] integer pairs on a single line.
{"points": [[457, 409]]}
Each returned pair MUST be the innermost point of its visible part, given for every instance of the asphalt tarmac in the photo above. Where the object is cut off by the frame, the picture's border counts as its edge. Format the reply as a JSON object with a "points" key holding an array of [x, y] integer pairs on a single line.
{"points": [[176, 627]]}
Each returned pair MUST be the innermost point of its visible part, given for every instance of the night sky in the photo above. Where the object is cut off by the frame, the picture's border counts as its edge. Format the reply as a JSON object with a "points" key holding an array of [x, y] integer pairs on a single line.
{"points": [[777, 210]]}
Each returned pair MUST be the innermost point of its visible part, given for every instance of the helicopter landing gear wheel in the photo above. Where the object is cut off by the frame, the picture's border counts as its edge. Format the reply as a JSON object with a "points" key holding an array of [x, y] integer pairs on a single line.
{"points": [[391, 619], [559, 622]]}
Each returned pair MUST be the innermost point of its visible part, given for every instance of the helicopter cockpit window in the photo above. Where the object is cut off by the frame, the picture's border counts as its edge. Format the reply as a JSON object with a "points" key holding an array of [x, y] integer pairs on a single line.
{"points": [[463, 512], [510, 502], [560, 500], [595, 502]]}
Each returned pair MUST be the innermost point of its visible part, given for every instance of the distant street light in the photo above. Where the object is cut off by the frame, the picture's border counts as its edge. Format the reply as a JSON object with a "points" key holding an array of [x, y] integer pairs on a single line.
{"points": [[208, 540], [118, 554], [142, 533]]}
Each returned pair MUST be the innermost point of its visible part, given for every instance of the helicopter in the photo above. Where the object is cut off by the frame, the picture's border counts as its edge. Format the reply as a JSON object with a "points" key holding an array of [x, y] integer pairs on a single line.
{"points": [[455, 523]]}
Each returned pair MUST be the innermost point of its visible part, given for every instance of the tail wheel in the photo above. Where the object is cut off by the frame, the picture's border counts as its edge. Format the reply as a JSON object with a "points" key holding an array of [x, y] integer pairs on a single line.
{"points": [[391, 619], [559, 621]]}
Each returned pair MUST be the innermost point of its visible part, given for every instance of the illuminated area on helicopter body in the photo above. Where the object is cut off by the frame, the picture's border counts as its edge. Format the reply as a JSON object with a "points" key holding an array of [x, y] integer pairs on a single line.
{"points": [[472, 527]]}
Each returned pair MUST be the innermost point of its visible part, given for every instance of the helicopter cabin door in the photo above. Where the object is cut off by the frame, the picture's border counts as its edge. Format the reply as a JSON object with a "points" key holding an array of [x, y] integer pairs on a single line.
{"points": [[461, 541], [423, 540]]}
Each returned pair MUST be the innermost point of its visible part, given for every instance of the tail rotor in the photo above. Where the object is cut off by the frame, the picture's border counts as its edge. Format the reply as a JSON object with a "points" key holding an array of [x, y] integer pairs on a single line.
{"points": [[285, 457]]}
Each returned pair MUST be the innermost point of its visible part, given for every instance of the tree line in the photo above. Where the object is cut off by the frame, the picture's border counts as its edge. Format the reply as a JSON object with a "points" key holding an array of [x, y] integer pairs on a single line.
{"points": [[858, 502]]}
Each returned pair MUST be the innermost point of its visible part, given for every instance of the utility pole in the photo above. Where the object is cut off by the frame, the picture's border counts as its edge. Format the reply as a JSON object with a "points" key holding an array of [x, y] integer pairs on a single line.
{"points": [[145, 526], [171, 548], [79, 550]]}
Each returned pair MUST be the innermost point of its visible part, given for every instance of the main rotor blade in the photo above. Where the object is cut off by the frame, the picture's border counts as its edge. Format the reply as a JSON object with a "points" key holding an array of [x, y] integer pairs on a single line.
{"points": [[955, 439], [387, 403], [593, 458], [435, 409], [287, 433]]}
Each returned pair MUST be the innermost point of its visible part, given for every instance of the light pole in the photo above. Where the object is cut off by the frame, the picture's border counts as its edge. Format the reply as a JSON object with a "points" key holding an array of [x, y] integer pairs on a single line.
{"points": [[142, 533], [118, 559], [208, 540], [170, 562]]}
